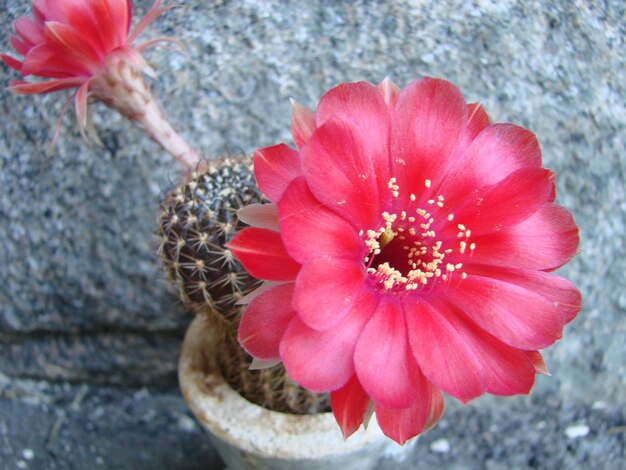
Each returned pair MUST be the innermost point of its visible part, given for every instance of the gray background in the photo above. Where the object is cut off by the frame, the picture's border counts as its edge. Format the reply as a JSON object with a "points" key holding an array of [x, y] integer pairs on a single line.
{"points": [[89, 330]]}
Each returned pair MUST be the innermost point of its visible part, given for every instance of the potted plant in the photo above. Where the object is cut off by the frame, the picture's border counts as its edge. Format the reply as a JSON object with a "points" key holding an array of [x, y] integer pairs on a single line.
{"points": [[405, 249]]}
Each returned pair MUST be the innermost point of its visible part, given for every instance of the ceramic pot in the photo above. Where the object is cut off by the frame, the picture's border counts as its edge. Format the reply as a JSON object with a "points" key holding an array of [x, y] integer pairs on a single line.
{"points": [[248, 436]]}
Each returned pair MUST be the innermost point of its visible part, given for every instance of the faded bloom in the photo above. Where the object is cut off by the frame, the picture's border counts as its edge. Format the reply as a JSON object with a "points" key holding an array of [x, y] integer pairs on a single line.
{"points": [[87, 45], [407, 251]]}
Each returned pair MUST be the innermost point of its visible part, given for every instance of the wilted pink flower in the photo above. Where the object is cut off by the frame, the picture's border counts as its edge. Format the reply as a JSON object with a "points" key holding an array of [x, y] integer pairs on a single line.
{"points": [[88, 45], [407, 251]]}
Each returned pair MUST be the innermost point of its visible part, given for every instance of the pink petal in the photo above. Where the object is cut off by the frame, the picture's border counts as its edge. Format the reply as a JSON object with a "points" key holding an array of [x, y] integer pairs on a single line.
{"points": [[383, 360], [20, 46], [429, 117], [112, 18], [68, 42], [260, 216], [82, 17], [477, 121], [12, 62], [401, 424], [302, 123], [63, 11], [442, 352], [309, 230], [494, 154], [553, 191], [38, 10], [340, 173], [275, 167], [29, 31], [501, 149], [546, 240], [507, 371], [263, 254], [117, 15], [24, 88], [322, 361], [558, 291], [462, 359], [265, 320], [362, 108], [537, 359], [514, 315], [436, 408], [38, 58], [327, 289], [390, 92], [494, 208], [349, 404], [43, 61]]}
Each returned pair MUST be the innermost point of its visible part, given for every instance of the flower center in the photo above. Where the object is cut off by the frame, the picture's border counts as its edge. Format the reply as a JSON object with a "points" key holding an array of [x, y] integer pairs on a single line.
{"points": [[405, 254]]}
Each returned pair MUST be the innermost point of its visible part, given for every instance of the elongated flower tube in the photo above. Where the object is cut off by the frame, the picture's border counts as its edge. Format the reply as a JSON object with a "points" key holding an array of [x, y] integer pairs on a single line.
{"points": [[408, 251], [87, 45]]}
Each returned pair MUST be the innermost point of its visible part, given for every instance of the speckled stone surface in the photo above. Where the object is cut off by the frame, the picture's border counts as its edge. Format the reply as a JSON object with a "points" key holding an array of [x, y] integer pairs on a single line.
{"points": [[82, 296], [62, 426]]}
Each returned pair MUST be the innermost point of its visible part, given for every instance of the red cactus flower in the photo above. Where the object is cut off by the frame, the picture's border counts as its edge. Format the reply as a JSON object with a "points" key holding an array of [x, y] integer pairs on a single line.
{"points": [[407, 252], [87, 45]]}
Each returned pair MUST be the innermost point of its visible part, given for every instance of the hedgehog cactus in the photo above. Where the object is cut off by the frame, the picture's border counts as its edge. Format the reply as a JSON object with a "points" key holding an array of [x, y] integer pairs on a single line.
{"points": [[197, 219]]}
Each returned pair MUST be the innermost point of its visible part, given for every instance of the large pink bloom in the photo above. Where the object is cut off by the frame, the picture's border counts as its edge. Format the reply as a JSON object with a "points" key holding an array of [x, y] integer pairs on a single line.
{"points": [[408, 254]]}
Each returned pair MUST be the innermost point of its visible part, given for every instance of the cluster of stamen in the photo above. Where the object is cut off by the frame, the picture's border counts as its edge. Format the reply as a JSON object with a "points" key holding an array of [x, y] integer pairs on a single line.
{"points": [[425, 253]]}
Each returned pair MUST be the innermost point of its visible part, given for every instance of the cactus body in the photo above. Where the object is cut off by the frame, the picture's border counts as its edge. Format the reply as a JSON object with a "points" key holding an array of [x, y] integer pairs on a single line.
{"points": [[198, 217]]}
